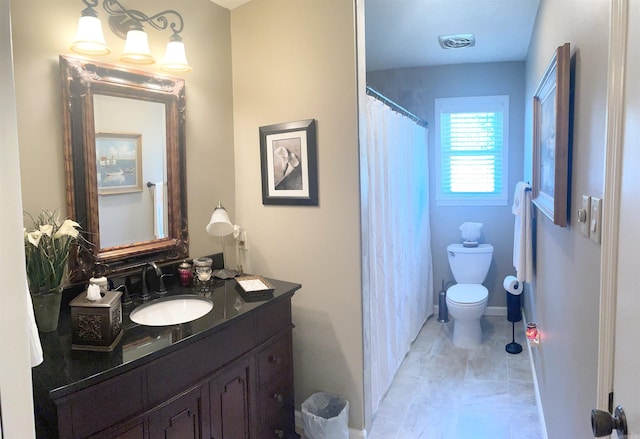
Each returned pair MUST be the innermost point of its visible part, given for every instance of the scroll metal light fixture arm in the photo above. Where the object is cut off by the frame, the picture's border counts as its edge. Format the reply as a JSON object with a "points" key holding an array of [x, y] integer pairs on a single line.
{"points": [[128, 23], [119, 15]]}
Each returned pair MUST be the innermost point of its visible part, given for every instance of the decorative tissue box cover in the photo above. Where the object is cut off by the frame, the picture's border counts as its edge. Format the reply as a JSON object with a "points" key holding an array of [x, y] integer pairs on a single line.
{"points": [[96, 325]]}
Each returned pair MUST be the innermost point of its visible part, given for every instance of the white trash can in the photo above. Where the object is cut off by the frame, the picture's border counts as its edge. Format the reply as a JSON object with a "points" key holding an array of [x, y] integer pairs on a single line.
{"points": [[325, 416]]}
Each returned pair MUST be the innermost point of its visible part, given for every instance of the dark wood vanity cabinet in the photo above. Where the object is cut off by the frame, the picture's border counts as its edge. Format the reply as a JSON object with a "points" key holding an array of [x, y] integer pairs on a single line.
{"points": [[232, 383]]}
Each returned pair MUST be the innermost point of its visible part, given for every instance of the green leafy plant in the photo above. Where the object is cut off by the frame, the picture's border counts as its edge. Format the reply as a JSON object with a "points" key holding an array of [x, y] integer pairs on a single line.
{"points": [[47, 243]]}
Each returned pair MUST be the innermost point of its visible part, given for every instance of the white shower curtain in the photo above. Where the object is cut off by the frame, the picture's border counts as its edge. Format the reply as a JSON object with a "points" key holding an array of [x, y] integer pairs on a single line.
{"points": [[397, 279]]}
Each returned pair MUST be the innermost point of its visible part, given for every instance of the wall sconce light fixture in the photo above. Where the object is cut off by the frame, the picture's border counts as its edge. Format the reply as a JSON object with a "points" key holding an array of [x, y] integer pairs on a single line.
{"points": [[532, 333], [220, 225], [128, 24]]}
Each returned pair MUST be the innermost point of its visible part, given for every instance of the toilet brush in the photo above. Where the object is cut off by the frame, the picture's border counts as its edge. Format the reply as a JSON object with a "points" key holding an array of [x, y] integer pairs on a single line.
{"points": [[443, 313], [513, 347]]}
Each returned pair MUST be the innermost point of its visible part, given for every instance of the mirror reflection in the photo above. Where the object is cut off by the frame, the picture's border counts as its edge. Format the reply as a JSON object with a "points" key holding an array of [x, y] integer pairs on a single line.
{"points": [[130, 169]]}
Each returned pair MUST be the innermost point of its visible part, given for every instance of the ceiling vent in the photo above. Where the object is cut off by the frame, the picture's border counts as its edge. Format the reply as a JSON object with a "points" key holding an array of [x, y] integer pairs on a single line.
{"points": [[457, 41]]}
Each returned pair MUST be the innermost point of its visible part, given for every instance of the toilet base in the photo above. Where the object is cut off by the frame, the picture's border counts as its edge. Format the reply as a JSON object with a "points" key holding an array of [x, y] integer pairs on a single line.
{"points": [[467, 334]]}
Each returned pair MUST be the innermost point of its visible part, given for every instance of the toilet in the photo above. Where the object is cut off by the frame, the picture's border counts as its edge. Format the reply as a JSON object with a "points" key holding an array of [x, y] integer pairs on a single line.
{"points": [[467, 300]]}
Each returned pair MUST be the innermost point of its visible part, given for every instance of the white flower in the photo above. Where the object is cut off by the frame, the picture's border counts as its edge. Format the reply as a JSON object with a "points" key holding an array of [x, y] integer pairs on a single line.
{"points": [[34, 237], [68, 228], [46, 229]]}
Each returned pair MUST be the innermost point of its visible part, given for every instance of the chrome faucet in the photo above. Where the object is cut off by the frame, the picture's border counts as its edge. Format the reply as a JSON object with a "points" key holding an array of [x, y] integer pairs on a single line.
{"points": [[162, 290]]}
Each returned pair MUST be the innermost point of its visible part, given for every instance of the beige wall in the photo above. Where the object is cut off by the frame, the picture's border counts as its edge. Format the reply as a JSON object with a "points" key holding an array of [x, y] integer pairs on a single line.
{"points": [[416, 90], [566, 289], [43, 30], [296, 60]]}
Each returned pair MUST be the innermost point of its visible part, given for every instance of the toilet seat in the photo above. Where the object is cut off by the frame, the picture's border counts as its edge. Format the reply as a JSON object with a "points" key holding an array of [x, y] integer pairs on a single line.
{"points": [[467, 294]]}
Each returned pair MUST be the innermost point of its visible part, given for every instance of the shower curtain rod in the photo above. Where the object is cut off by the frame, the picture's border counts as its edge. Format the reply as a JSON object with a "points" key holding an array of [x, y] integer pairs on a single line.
{"points": [[396, 107]]}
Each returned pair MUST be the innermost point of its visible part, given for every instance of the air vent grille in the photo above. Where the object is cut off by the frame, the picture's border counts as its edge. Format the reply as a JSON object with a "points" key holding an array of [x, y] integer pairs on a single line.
{"points": [[457, 41]]}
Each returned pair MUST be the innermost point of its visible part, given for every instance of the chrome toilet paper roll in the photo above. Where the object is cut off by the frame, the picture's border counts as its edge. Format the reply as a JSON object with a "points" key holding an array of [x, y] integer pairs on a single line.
{"points": [[512, 285]]}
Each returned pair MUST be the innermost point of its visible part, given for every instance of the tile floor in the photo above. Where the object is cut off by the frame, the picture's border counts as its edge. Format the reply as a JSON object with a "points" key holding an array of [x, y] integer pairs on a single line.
{"points": [[445, 392]]}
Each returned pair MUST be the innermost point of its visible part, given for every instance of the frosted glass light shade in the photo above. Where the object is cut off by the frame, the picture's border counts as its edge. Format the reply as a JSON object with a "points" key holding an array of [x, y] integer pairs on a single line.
{"points": [[220, 224], [136, 48], [89, 38], [175, 58]]}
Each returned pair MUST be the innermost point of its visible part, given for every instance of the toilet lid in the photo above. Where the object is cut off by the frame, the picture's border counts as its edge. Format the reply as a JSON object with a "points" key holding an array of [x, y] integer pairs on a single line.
{"points": [[467, 293]]}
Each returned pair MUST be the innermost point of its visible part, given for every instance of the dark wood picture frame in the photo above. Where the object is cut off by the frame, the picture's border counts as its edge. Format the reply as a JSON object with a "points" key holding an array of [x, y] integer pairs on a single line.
{"points": [[551, 126], [289, 163]]}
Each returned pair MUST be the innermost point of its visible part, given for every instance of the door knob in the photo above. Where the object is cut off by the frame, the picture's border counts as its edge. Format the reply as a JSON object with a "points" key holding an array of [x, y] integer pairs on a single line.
{"points": [[603, 423]]}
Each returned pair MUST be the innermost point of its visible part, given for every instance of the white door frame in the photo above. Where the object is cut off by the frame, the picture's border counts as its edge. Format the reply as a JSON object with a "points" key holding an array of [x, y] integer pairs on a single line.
{"points": [[612, 184]]}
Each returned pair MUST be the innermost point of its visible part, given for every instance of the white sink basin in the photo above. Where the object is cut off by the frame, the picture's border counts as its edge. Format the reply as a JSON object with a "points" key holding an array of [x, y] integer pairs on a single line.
{"points": [[171, 310]]}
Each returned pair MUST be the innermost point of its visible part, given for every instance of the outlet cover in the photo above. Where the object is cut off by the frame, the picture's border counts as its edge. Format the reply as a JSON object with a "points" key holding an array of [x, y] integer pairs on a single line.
{"points": [[243, 244], [595, 220]]}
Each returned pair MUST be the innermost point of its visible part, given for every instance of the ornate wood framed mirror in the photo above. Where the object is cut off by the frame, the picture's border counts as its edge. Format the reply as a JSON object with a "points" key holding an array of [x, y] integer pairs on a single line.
{"points": [[124, 146]]}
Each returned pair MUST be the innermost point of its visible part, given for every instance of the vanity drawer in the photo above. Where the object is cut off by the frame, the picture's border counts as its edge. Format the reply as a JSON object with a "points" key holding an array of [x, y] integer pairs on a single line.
{"points": [[273, 319], [276, 417], [274, 359], [276, 398]]}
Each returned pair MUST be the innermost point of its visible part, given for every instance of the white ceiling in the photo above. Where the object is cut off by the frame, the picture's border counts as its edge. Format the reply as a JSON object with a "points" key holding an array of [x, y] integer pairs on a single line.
{"points": [[404, 33], [230, 4]]}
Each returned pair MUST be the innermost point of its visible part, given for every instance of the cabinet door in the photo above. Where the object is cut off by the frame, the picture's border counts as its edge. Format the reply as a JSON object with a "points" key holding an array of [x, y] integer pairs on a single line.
{"points": [[182, 417], [231, 403]]}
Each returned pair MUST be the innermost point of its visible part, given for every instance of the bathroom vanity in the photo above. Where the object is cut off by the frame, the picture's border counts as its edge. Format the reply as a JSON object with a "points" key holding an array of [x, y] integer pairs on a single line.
{"points": [[226, 375]]}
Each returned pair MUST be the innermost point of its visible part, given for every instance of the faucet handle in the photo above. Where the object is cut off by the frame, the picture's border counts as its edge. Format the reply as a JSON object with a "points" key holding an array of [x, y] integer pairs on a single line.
{"points": [[161, 287], [126, 299]]}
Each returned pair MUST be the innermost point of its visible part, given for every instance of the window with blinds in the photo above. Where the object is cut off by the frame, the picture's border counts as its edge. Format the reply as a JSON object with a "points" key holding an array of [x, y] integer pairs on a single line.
{"points": [[472, 144]]}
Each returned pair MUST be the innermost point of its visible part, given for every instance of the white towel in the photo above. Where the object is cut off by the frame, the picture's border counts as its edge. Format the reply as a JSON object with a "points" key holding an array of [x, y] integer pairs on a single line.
{"points": [[158, 210], [32, 330], [522, 233]]}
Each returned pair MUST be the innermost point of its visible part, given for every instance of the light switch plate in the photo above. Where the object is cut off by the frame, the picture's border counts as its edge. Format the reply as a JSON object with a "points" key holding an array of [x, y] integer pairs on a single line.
{"points": [[595, 220], [585, 210]]}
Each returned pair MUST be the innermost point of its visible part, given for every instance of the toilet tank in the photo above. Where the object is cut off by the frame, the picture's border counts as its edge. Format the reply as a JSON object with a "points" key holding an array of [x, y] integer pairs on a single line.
{"points": [[470, 265]]}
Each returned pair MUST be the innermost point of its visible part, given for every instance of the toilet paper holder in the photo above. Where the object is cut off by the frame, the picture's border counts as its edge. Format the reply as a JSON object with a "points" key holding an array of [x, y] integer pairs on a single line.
{"points": [[513, 288]]}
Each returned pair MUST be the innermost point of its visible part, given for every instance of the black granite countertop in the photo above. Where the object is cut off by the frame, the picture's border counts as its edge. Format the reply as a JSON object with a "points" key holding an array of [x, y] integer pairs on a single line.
{"points": [[65, 370]]}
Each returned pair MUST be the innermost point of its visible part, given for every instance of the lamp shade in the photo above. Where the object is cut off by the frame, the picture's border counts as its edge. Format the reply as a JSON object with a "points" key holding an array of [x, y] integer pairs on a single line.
{"points": [[136, 48], [175, 58], [89, 38], [220, 224]]}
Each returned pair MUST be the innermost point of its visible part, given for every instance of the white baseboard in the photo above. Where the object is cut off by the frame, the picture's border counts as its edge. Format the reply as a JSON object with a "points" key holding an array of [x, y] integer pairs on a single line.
{"points": [[543, 424], [496, 311], [490, 311], [353, 434]]}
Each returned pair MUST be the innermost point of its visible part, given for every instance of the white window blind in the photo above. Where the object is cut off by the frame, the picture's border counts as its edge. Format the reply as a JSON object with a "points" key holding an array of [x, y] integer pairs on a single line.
{"points": [[471, 134]]}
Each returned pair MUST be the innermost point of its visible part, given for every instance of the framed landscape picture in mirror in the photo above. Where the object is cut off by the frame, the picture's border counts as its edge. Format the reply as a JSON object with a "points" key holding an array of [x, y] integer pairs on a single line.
{"points": [[289, 165], [551, 126], [118, 163]]}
